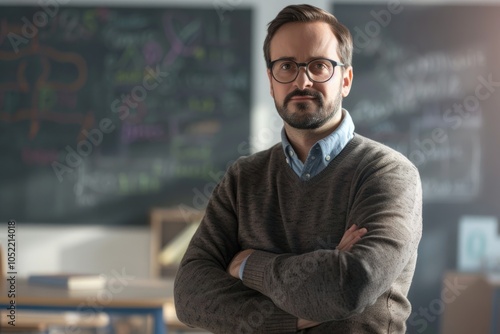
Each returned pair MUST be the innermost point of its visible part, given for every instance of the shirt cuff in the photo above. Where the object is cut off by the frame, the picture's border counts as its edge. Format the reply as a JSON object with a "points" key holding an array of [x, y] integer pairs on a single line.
{"points": [[256, 267], [242, 267]]}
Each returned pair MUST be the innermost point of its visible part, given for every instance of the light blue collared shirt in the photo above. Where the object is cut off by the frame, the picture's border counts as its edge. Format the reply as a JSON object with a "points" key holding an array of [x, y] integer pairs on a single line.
{"points": [[322, 152], [320, 155]]}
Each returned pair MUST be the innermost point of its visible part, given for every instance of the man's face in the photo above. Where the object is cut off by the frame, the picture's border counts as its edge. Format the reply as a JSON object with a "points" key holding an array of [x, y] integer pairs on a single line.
{"points": [[302, 103]]}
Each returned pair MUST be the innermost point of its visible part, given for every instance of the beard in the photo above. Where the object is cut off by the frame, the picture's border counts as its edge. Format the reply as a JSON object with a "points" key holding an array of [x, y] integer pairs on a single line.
{"points": [[304, 117]]}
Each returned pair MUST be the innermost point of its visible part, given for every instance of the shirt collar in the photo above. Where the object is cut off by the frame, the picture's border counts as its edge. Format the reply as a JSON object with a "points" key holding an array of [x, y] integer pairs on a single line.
{"points": [[331, 145]]}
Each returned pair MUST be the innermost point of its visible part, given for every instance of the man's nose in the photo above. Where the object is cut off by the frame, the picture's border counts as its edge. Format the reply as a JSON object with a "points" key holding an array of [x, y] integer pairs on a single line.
{"points": [[302, 80]]}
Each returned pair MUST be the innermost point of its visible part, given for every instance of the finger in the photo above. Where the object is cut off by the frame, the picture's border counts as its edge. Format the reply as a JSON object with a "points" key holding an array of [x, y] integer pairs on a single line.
{"points": [[357, 237], [358, 233], [361, 232], [351, 239], [352, 243], [348, 235], [347, 245], [342, 243], [353, 227], [345, 242]]}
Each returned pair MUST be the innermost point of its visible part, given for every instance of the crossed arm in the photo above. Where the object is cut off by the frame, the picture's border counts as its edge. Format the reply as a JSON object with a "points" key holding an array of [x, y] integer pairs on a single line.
{"points": [[350, 237], [234, 292], [347, 279]]}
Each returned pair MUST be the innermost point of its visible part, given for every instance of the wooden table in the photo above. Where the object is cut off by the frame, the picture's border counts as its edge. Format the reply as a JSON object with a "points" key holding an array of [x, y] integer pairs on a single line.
{"points": [[146, 297]]}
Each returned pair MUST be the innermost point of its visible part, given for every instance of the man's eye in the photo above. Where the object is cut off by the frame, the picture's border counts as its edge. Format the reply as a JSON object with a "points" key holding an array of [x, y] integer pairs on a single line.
{"points": [[286, 66], [320, 66]]}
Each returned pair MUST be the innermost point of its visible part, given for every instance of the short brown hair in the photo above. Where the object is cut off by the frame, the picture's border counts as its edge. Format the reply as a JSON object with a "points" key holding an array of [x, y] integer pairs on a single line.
{"points": [[308, 13]]}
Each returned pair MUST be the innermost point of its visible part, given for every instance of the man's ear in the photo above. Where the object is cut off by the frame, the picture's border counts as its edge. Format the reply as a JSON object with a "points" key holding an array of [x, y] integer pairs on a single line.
{"points": [[347, 81], [270, 77]]}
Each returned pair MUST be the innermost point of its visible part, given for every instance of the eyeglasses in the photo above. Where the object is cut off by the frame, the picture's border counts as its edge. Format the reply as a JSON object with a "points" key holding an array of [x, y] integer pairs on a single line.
{"points": [[317, 70]]}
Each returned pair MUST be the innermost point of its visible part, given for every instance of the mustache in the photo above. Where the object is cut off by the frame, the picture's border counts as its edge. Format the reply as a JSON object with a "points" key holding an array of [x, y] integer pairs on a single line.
{"points": [[304, 92]]}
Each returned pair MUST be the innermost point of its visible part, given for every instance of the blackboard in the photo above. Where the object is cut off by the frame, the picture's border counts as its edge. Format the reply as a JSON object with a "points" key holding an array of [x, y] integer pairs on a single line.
{"points": [[106, 112], [420, 86]]}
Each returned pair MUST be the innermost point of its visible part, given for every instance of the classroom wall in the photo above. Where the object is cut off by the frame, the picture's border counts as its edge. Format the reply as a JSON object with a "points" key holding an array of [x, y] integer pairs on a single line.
{"points": [[126, 249]]}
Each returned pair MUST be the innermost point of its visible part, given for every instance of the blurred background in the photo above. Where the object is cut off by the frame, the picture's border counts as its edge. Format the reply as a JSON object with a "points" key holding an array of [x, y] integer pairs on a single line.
{"points": [[117, 119]]}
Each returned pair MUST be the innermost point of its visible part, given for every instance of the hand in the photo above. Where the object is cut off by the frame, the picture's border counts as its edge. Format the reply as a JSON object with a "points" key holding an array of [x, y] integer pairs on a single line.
{"points": [[234, 266], [350, 237], [303, 324]]}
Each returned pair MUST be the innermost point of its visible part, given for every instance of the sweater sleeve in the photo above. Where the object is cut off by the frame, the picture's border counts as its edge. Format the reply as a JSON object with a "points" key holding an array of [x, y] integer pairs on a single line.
{"points": [[328, 285], [205, 295]]}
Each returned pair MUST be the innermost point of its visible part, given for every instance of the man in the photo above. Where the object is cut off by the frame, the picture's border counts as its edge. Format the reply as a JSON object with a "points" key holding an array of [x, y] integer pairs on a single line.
{"points": [[318, 233]]}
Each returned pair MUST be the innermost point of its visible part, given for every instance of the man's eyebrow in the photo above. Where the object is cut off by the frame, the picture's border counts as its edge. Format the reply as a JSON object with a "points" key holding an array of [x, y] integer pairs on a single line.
{"points": [[295, 59], [286, 58]]}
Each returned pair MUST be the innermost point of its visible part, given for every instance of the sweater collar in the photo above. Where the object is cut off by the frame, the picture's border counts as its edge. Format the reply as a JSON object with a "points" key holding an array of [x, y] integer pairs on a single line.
{"points": [[323, 151]]}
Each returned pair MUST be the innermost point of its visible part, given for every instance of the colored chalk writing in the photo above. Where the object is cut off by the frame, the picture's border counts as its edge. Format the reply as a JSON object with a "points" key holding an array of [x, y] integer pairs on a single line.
{"points": [[106, 112]]}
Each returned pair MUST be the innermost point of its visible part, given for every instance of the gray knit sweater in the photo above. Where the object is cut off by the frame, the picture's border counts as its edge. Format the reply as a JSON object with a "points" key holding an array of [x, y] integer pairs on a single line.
{"points": [[295, 226]]}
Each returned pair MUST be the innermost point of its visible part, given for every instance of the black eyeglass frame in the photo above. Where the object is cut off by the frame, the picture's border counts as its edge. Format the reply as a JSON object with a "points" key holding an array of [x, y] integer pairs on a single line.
{"points": [[299, 65]]}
